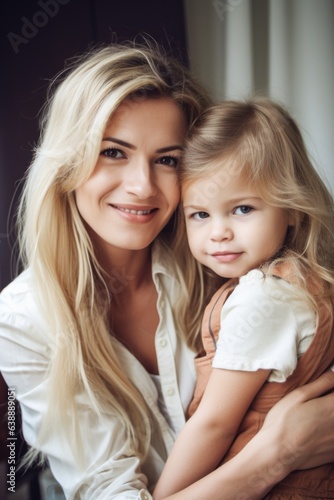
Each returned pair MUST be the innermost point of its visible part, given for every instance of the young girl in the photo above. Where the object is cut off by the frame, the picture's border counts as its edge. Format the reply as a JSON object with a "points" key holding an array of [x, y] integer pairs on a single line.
{"points": [[257, 215]]}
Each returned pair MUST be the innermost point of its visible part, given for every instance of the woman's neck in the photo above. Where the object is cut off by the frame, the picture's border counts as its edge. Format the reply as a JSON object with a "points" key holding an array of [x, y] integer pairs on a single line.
{"points": [[125, 268], [134, 317]]}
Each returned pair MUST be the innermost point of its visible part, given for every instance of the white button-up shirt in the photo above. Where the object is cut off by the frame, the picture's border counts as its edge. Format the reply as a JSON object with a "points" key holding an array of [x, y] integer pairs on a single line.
{"points": [[112, 473]]}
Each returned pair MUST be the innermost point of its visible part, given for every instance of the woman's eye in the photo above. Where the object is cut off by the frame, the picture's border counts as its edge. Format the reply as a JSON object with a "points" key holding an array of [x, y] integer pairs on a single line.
{"points": [[200, 215], [169, 161], [112, 153], [243, 210]]}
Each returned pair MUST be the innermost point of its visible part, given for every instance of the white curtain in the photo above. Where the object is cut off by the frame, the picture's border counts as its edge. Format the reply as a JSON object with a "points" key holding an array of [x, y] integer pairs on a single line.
{"points": [[283, 49]]}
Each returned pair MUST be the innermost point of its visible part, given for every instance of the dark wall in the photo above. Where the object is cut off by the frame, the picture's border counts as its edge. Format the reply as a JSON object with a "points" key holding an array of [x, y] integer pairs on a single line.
{"points": [[36, 38]]}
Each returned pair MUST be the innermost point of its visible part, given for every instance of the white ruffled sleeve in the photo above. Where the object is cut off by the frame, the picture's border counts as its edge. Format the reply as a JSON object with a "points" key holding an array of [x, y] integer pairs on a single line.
{"points": [[266, 323]]}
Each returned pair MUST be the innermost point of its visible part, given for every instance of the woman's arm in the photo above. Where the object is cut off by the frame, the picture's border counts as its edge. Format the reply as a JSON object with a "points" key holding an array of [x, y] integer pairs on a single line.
{"points": [[209, 433], [304, 421], [298, 433], [109, 471]]}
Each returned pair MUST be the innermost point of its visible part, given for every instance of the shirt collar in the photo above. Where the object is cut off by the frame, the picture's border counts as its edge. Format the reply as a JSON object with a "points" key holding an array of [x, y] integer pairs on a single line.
{"points": [[162, 261]]}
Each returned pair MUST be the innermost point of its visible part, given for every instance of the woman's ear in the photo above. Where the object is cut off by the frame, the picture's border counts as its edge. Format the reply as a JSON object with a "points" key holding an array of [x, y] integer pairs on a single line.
{"points": [[291, 218]]}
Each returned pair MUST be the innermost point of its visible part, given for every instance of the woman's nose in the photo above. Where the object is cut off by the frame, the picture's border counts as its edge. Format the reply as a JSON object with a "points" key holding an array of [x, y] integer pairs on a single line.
{"points": [[140, 180]]}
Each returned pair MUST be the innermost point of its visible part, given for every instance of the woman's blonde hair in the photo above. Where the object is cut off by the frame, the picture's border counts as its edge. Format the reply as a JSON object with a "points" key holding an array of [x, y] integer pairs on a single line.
{"points": [[259, 140], [54, 242]]}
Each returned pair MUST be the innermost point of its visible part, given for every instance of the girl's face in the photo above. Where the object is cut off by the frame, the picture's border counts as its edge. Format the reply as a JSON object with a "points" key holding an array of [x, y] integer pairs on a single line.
{"points": [[230, 228], [133, 190]]}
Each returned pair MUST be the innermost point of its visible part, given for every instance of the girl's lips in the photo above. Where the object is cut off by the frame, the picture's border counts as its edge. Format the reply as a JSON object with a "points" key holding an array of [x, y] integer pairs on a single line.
{"points": [[226, 256]]}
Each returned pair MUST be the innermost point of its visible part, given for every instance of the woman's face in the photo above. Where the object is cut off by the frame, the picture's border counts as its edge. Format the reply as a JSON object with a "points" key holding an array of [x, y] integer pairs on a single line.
{"points": [[133, 190]]}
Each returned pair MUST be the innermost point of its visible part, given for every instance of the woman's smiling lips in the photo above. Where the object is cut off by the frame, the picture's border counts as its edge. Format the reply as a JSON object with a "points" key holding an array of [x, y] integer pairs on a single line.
{"points": [[135, 213]]}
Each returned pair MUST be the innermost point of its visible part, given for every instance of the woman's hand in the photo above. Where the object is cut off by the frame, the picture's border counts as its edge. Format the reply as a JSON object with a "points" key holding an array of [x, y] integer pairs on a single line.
{"points": [[304, 420], [298, 433]]}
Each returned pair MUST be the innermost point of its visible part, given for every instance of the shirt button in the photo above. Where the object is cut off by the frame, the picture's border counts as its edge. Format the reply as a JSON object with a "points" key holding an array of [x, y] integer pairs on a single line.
{"points": [[170, 391], [163, 343], [162, 303]]}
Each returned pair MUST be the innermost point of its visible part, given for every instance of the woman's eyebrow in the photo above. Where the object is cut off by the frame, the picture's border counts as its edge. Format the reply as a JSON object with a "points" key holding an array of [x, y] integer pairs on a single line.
{"points": [[120, 142], [131, 146], [170, 148]]}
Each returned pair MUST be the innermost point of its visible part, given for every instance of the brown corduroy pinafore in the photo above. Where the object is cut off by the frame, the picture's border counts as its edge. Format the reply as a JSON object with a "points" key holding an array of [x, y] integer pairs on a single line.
{"points": [[316, 483]]}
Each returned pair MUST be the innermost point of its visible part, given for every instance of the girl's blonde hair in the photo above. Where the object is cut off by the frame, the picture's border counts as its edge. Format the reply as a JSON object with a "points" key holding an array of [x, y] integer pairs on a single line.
{"points": [[259, 140], [69, 282]]}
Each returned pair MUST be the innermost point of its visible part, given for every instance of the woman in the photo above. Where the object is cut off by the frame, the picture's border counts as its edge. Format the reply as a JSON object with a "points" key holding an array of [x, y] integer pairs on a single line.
{"points": [[97, 334]]}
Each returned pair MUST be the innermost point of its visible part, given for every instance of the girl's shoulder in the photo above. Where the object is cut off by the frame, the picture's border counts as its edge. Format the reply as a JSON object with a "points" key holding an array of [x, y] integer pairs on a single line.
{"points": [[255, 275], [276, 284]]}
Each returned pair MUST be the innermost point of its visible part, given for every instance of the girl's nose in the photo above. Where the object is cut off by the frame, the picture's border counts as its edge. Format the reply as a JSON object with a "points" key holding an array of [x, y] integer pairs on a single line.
{"points": [[221, 231]]}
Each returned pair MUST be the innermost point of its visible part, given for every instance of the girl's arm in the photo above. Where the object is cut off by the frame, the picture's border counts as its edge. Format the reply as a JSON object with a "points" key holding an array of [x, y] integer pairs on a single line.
{"points": [[209, 433], [298, 433]]}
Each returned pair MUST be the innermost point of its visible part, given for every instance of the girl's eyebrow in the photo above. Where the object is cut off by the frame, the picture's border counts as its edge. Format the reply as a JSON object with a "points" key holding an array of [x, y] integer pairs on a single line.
{"points": [[194, 207], [131, 146], [233, 201], [245, 199]]}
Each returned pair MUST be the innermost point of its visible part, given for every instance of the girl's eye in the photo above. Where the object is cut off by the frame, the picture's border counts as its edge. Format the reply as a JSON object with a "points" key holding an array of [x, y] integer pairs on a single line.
{"points": [[200, 215], [112, 153], [243, 210], [169, 161]]}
